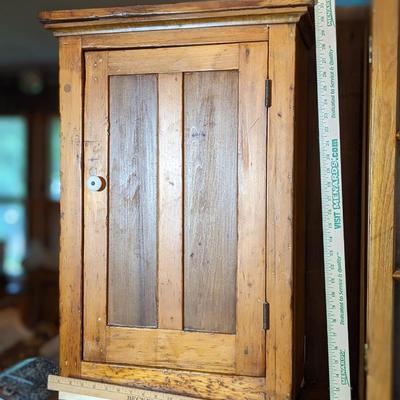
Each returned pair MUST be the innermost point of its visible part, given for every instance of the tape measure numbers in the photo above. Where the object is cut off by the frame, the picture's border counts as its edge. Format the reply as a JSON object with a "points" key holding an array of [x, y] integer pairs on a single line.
{"points": [[332, 200], [69, 387]]}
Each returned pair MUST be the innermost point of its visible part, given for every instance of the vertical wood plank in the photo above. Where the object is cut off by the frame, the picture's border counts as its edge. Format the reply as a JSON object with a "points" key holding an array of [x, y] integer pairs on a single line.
{"points": [[170, 272], [250, 342], [381, 215], [280, 210], [133, 201], [95, 206], [211, 106], [71, 206], [299, 210]]}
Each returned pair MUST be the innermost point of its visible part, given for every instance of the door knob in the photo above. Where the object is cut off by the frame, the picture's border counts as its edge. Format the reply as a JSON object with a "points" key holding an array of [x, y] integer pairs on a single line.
{"points": [[96, 183]]}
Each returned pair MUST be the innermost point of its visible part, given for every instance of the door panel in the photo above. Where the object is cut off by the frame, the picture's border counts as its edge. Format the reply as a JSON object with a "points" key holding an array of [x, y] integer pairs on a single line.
{"points": [[174, 243], [210, 232], [170, 210], [196, 351], [132, 253]]}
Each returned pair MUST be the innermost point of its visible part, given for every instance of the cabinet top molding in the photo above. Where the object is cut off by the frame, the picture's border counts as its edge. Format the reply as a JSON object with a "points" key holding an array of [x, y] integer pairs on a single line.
{"points": [[195, 14]]}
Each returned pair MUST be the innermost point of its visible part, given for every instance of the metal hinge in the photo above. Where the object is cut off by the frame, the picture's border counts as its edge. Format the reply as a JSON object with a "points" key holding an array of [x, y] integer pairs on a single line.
{"points": [[366, 357], [266, 316], [268, 92]]}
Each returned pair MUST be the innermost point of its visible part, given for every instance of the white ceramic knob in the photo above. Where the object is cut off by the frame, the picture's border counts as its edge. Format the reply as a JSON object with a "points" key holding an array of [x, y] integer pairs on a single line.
{"points": [[95, 183]]}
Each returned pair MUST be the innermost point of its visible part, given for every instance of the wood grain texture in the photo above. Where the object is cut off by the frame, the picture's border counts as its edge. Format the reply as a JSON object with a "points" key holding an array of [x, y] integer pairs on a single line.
{"points": [[71, 91], [133, 201], [163, 23], [205, 386], [79, 389], [280, 212], [250, 340], [299, 212], [179, 37], [173, 60], [168, 9], [210, 205], [170, 206], [95, 206], [382, 156], [193, 351]]}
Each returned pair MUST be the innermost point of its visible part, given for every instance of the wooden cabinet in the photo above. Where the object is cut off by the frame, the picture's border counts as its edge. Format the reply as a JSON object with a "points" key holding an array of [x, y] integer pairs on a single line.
{"points": [[182, 246]]}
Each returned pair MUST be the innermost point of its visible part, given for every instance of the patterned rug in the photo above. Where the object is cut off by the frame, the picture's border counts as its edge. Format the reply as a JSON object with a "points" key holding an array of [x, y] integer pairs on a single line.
{"points": [[27, 380]]}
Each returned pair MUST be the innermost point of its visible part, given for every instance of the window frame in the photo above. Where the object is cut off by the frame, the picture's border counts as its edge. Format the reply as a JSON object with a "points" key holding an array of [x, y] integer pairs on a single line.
{"points": [[20, 200], [37, 201]]}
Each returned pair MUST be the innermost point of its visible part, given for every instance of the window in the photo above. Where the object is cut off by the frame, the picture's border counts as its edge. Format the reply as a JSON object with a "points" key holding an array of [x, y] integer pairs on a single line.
{"points": [[13, 188], [54, 159]]}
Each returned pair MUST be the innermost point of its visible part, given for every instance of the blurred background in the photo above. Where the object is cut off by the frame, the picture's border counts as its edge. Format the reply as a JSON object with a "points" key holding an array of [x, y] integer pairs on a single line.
{"points": [[30, 185]]}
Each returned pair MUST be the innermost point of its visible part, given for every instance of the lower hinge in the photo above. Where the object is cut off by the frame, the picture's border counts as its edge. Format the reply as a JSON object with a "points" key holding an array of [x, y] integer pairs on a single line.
{"points": [[268, 93], [266, 316]]}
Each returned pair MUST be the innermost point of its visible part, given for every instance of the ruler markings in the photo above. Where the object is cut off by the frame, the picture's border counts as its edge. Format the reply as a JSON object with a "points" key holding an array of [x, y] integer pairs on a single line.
{"points": [[107, 391], [332, 200]]}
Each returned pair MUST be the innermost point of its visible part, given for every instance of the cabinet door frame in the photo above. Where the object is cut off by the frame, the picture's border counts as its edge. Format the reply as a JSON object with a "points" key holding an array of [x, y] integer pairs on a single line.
{"points": [[282, 39], [382, 188], [241, 353]]}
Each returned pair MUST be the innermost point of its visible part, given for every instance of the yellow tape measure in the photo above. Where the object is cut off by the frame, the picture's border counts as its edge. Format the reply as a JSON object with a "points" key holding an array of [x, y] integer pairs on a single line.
{"points": [[97, 390]]}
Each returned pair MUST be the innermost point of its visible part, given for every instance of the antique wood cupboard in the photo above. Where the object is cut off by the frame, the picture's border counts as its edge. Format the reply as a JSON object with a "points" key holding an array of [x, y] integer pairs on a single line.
{"points": [[183, 165]]}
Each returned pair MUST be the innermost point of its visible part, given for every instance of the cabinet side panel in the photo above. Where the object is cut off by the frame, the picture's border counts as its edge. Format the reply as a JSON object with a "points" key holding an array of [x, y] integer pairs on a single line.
{"points": [[71, 206], [133, 201], [210, 204], [300, 162], [280, 211]]}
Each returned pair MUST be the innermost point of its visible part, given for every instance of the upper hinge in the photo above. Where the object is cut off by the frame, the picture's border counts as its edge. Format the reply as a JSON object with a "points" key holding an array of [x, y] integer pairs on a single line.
{"points": [[268, 92], [266, 316]]}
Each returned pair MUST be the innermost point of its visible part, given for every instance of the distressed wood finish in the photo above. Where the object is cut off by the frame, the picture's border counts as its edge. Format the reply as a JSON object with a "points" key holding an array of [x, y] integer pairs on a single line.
{"points": [[170, 208], [205, 386], [179, 37], [252, 163], [280, 211], [209, 61], [270, 16], [193, 351], [71, 90], [382, 175], [301, 127], [167, 9], [182, 16], [132, 225], [228, 240], [78, 389], [95, 206], [174, 60], [211, 113]]}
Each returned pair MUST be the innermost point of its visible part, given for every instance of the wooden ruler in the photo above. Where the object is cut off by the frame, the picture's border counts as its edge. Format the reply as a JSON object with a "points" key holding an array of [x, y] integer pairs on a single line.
{"points": [[71, 389], [332, 200]]}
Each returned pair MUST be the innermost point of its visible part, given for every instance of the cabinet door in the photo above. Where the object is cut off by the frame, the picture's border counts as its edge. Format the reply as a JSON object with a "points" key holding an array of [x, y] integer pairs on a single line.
{"points": [[175, 207]]}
